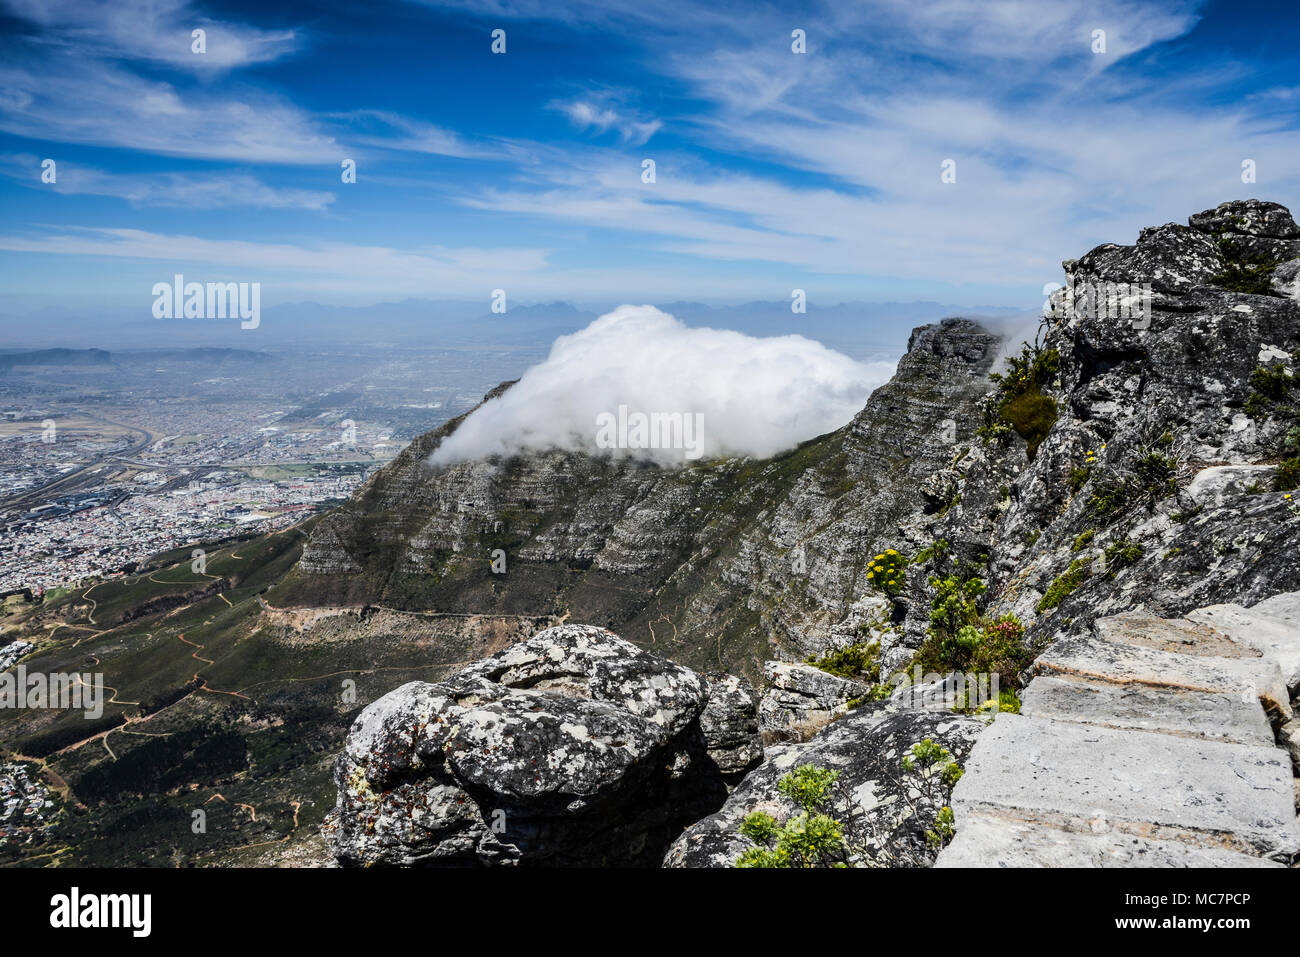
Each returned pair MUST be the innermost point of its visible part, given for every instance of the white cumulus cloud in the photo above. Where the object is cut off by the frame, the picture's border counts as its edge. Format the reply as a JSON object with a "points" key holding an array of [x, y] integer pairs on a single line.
{"points": [[749, 396]]}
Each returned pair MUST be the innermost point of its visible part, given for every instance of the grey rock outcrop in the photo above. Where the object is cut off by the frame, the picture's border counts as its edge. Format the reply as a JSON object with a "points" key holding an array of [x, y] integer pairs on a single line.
{"points": [[1250, 217], [1162, 447], [885, 816], [571, 748], [1286, 279], [798, 697]]}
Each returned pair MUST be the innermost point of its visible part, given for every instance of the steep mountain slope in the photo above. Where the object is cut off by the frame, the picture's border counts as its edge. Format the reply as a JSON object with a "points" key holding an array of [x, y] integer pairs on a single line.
{"points": [[1162, 433], [719, 565]]}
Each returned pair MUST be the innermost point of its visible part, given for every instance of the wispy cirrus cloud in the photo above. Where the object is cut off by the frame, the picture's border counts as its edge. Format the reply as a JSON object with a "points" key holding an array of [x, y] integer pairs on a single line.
{"points": [[217, 190], [156, 30], [383, 129], [605, 110], [97, 103], [429, 265]]}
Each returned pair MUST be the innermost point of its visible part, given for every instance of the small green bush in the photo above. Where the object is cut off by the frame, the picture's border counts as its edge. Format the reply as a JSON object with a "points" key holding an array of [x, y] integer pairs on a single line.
{"points": [[1032, 415], [1066, 585], [811, 838], [1245, 272], [886, 572], [1108, 498], [1122, 554], [1288, 475], [1157, 474], [1020, 404], [860, 661]]}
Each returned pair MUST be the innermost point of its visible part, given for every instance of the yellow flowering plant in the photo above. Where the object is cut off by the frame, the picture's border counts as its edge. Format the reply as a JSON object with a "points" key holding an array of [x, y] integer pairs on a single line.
{"points": [[886, 572]]}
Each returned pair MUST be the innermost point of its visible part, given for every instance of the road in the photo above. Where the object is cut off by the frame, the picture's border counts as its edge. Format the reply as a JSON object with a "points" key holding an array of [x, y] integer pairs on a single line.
{"points": [[69, 482]]}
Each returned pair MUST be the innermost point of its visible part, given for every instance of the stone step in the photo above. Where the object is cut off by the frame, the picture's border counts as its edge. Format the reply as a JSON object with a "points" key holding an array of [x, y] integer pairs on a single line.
{"points": [[1266, 627], [1212, 716], [1283, 608], [1157, 786], [1120, 663], [996, 841], [1172, 634]]}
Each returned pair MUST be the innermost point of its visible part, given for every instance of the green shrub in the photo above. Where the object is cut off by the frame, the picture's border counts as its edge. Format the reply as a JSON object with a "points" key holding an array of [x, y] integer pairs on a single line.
{"points": [[886, 572], [937, 550], [1157, 474], [1269, 386], [1020, 404], [860, 661], [814, 838], [1121, 554], [1032, 415], [811, 838], [954, 605], [1083, 538], [1245, 272], [1152, 475], [978, 645], [1109, 498], [1065, 586], [1288, 475]]}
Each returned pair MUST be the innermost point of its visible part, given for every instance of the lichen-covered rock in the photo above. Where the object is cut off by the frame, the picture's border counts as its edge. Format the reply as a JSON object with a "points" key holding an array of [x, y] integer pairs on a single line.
{"points": [[1249, 217], [1163, 452], [731, 727], [1286, 279], [1218, 485], [571, 748], [798, 697], [885, 815]]}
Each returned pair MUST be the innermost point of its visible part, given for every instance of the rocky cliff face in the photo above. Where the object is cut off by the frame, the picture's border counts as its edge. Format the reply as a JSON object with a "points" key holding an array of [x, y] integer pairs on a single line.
{"points": [[719, 565], [1164, 476]]}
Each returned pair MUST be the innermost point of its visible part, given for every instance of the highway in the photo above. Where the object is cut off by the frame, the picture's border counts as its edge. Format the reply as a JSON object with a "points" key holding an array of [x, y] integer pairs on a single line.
{"points": [[69, 483]]}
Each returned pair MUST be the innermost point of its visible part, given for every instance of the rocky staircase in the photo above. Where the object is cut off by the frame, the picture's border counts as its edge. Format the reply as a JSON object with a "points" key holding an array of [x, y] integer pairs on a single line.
{"points": [[1149, 743]]}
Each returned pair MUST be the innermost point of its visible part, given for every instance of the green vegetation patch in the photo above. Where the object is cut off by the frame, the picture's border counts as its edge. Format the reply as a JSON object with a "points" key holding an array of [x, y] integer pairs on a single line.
{"points": [[1020, 404], [859, 661], [1066, 585], [1244, 271], [1121, 555], [816, 837], [887, 572], [1288, 475]]}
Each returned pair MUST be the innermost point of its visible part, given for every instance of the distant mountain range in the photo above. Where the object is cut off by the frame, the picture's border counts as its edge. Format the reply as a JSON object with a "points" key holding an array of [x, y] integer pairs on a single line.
{"points": [[856, 328], [80, 357]]}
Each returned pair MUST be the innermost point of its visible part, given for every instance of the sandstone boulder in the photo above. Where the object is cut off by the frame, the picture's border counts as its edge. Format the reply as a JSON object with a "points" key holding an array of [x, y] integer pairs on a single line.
{"points": [[799, 698], [571, 748]]}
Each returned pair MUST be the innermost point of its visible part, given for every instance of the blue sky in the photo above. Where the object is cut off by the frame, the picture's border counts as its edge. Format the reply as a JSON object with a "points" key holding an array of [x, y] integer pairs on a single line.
{"points": [[522, 171]]}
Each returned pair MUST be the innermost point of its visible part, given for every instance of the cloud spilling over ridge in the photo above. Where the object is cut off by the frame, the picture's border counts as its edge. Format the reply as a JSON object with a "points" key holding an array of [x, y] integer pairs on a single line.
{"points": [[745, 395]]}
